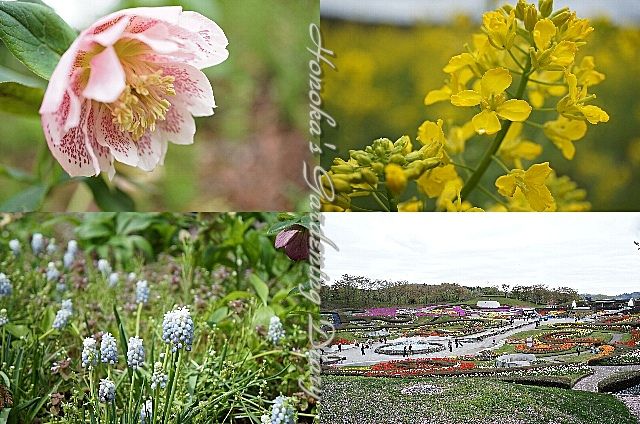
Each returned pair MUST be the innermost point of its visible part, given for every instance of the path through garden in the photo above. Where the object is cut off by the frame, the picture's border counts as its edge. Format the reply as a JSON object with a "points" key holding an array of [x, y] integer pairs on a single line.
{"points": [[590, 384], [353, 355]]}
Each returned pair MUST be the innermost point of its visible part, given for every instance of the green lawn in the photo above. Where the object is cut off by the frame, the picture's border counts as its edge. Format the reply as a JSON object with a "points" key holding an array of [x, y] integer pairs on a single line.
{"points": [[371, 400]]}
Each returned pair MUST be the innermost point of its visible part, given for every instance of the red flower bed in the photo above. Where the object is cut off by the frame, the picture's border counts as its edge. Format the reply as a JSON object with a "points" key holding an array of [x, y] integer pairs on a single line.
{"points": [[411, 367], [633, 341], [340, 341]]}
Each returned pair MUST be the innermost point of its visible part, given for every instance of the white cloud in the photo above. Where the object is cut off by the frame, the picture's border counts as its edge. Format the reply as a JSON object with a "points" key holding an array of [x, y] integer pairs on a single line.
{"points": [[591, 252]]}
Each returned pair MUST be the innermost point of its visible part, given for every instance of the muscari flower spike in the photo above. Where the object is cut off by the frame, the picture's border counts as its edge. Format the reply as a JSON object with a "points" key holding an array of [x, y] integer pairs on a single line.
{"points": [[276, 331], [146, 412], [104, 267], [62, 319], [67, 304], [52, 272], [177, 329], [4, 319], [68, 259], [72, 247], [51, 246], [89, 352], [142, 292], [282, 412], [135, 353], [114, 277], [107, 391], [5, 285], [159, 378], [37, 243], [15, 247], [108, 349]]}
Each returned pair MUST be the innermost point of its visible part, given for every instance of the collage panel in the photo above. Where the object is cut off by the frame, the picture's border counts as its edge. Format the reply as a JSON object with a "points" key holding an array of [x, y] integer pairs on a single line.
{"points": [[482, 105], [109, 105], [154, 318], [481, 318]]}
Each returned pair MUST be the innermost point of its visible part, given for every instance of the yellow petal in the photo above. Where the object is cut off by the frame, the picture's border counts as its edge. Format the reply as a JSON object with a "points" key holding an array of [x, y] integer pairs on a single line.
{"points": [[486, 122], [435, 96], [543, 32], [565, 146], [466, 98], [514, 110], [594, 114], [395, 179], [495, 81], [564, 54], [430, 131], [458, 62], [537, 174], [506, 185], [528, 150], [432, 182]]}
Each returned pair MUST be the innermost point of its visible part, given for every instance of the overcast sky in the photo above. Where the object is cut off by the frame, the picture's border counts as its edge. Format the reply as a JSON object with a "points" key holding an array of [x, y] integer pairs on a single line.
{"points": [[411, 11], [590, 252]]}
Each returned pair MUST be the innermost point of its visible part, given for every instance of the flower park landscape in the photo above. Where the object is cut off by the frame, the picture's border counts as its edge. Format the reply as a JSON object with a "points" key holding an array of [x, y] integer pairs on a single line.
{"points": [[538, 355], [151, 318]]}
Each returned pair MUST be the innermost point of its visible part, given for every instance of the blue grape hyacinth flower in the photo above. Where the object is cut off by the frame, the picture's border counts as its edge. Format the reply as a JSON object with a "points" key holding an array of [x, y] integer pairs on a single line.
{"points": [[135, 353], [107, 391], [108, 349], [177, 329]]}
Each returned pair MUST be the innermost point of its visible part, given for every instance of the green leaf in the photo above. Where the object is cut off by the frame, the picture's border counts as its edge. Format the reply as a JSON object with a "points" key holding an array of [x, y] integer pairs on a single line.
{"points": [[17, 331], [27, 200], [107, 198], [260, 287], [9, 75], [16, 174], [35, 35], [218, 315], [263, 315], [20, 99]]}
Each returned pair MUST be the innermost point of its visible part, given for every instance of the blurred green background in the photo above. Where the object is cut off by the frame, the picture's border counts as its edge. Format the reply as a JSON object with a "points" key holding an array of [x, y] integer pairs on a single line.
{"points": [[385, 71], [247, 156]]}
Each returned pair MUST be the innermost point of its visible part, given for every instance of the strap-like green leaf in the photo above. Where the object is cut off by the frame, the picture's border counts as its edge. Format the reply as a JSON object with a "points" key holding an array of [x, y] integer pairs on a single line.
{"points": [[35, 35]]}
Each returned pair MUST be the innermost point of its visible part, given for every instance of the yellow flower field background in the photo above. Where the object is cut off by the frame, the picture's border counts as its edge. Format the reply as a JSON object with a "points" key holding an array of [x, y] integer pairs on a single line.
{"points": [[384, 73]]}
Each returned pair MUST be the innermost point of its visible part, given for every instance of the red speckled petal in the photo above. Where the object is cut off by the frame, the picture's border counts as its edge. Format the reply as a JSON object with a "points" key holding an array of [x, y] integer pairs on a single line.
{"points": [[119, 143], [192, 88], [178, 127], [149, 151]]}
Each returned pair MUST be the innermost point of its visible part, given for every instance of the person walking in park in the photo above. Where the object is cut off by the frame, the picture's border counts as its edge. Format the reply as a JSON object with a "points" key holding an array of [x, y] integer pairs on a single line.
{"points": [[404, 352], [450, 346], [362, 349], [410, 350], [339, 347]]}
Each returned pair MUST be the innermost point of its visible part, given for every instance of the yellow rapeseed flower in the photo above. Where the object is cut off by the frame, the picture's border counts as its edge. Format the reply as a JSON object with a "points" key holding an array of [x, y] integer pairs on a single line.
{"points": [[450, 200], [457, 81], [586, 72], [573, 105], [500, 28], [563, 132], [493, 101], [411, 205], [531, 183], [395, 178], [433, 181], [549, 55], [513, 148], [548, 86]]}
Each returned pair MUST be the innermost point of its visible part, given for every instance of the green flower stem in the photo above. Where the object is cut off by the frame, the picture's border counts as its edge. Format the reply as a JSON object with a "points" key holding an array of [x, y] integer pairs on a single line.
{"points": [[493, 196], [138, 319], [534, 124], [172, 387], [473, 181], [133, 379], [517, 62], [497, 160], [377, 199], [43, 336]]}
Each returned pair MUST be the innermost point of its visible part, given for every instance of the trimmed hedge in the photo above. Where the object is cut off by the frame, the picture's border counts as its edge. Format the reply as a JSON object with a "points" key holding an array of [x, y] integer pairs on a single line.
{"points": [[619, 381]]}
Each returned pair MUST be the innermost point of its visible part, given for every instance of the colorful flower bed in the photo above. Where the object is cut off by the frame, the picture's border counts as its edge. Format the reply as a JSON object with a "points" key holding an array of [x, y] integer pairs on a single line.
{"points": [[424, 366]]}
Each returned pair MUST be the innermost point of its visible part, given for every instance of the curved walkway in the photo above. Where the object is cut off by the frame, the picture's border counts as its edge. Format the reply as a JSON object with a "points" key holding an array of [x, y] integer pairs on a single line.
{"points": [[590, 383]]}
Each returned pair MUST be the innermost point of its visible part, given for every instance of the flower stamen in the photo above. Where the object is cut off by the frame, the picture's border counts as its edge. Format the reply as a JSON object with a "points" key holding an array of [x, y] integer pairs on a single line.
{"points": [[143, 103]]}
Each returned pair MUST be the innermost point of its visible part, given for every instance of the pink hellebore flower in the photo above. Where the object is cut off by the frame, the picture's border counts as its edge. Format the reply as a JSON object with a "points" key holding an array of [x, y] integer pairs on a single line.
{"points": [[295, 241], [128, 85]]}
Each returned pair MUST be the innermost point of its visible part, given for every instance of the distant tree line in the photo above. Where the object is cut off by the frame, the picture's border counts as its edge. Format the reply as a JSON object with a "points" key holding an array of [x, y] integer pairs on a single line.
{"points": [[352, 291]]}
